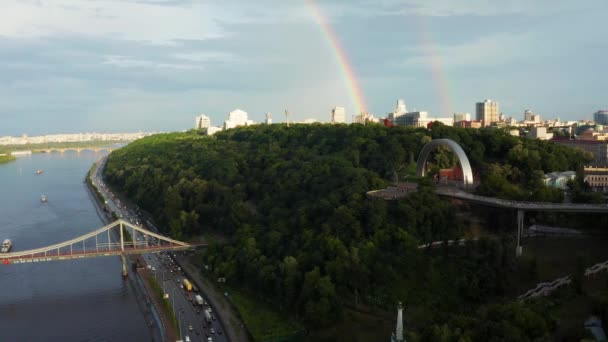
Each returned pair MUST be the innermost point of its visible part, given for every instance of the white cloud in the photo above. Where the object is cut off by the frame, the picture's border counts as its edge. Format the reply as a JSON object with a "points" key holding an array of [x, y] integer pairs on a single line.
{"points": [[130, 62], [441, 8], [107, 18]]}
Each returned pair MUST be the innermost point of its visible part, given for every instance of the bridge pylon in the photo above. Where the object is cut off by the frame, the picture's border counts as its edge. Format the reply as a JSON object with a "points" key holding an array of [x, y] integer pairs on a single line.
{"points": [[125, 272]]}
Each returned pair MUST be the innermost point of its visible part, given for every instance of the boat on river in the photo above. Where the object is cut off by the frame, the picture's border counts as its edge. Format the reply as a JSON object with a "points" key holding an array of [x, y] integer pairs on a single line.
{"points": [[43, 199], [39, 172], [6, 246]]}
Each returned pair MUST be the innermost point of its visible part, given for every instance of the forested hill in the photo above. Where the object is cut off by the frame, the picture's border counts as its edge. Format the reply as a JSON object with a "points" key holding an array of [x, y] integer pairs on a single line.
{"points": [[301, 232]]}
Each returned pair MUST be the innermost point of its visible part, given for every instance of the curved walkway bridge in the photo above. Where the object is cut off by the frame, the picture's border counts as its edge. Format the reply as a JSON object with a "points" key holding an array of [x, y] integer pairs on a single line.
{"points": [[118, 238], [404, 189]]}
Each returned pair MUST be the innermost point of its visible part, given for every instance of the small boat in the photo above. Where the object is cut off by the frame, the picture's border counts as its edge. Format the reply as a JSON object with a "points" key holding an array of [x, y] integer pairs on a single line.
{"points": [[39, 172], [43, 199], [6, 246]]}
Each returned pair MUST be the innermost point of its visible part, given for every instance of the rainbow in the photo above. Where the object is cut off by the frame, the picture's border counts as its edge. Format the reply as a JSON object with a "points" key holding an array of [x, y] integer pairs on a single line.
{"points": [[438, 74], [350, 79]]}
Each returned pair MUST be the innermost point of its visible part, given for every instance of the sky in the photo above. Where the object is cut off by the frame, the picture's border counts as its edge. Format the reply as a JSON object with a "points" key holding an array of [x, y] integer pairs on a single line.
{"points": [[154, 65]]}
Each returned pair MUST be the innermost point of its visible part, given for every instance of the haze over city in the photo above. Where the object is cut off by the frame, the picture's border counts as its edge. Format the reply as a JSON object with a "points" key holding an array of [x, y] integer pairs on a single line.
{"points": [[152, 65]]}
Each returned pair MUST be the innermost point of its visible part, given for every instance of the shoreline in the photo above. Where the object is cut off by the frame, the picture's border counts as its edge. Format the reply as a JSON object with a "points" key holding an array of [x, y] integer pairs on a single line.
{"points": [[144, 298]]}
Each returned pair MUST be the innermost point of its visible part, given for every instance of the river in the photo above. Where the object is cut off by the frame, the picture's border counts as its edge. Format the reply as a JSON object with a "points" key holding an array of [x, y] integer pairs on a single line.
{"points": [[80, 300]]}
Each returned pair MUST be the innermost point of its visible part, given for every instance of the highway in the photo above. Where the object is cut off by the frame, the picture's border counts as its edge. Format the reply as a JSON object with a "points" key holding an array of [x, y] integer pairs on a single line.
{"points": [[191, 318]]}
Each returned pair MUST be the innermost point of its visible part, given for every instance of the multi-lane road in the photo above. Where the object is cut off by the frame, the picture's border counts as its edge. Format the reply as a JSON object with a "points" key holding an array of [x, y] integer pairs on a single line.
{"points": [[191, 318]]}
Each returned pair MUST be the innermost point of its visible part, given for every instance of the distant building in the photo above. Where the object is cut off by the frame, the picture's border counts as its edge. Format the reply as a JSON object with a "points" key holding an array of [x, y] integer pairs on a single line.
{"points": [[212, 130], [420, 119], [467, 124], [540, 133], [601, 117], [338, 115], [599, 149], [591, 134], [559, 179], [268, 120], [597, 178], [400, 109], [237, 118], [462, 117], [364, 118], [202, 122], [486, 112]]}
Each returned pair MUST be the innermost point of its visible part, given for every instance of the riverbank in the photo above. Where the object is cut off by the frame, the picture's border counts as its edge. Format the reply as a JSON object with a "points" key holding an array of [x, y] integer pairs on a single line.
{"points": [[148, 305], [7, 158]]}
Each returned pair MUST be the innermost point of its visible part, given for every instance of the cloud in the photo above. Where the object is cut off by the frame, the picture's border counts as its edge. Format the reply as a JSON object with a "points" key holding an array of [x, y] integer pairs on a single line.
{"points": [[491, 50], [142, 21]]}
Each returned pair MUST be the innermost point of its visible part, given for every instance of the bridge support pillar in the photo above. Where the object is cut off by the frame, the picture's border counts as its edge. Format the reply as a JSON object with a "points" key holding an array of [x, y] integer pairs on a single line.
{"points": [[520, 228], [125, 272]]}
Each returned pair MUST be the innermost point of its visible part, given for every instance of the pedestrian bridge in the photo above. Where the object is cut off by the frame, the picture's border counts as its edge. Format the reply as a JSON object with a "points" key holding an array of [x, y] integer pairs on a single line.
{"points": [[77, 149], [118, 238]]}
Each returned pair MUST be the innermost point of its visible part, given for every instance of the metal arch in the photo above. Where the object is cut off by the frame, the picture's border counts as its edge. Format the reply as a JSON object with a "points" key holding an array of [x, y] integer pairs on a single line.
{"points": [[467, 171]]}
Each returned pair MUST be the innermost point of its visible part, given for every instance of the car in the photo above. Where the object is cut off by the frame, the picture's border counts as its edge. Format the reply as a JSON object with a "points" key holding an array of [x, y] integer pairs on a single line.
{"points": [[206, 334], [213, 318], [209, 339], [197, 332], [212, 331], [198, 312], [219, 331], [187, 338], [181, 286], [190, 327]]}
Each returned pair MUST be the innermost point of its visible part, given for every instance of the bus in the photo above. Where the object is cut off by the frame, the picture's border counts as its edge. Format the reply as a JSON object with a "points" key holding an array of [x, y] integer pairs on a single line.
{"points": [[187, 284]]}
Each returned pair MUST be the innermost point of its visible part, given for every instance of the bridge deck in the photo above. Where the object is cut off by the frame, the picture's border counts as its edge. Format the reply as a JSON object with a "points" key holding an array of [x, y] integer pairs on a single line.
{"points": [[404, 189], [39, 257]]}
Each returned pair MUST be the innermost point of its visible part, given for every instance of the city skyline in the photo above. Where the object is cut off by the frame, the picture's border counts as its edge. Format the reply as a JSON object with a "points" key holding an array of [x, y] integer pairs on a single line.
{"points": [[87, 67]]}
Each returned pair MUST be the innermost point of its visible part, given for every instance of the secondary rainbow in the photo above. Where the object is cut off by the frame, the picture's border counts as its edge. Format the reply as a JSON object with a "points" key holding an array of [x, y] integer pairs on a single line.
{"points": [[350, 79]]}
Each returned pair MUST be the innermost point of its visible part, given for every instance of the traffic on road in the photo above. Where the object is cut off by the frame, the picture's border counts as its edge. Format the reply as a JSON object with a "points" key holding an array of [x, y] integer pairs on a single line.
{"points": [[197, 321]]}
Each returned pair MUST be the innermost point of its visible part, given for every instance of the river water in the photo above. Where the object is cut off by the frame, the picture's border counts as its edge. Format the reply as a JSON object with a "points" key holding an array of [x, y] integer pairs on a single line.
{"points": [[80, 300]]}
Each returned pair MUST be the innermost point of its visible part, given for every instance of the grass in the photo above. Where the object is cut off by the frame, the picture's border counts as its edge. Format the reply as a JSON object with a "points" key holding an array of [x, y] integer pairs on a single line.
{"points": [[7, 158], [263, 321], [166, 304]]}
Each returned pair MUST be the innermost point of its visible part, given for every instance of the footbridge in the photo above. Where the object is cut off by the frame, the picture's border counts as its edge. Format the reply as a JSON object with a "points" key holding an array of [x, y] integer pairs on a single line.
{"points": [[118, 238], [77, 149], [402, 190]]}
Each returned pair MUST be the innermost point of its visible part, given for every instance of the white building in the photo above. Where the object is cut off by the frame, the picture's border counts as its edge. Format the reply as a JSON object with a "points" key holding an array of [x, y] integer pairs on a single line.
{"points": [[462, 117], [202, 122], [539, 133], [268, 118], [420, 119], [559, 179], [400, 110], [338, 115], [212, 130], [364, 118], [237, 118]]}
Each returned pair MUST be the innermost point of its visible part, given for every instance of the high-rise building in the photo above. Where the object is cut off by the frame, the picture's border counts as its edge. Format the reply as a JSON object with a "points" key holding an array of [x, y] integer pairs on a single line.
{"points": [[338, 115], [462, 117], [601, 117], [202, 122], [487, 112], [268, 118]]}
